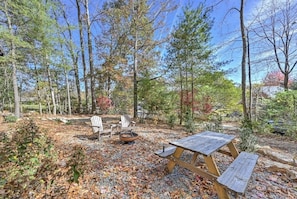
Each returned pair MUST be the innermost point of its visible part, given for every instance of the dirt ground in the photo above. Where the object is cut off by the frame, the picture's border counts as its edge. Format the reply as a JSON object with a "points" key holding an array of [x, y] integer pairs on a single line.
{"points": [[276, 141], [118, 170]]}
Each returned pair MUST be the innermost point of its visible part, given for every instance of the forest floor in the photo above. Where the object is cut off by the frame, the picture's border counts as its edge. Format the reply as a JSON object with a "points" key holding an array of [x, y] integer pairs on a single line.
{"points": [[117, 170]]}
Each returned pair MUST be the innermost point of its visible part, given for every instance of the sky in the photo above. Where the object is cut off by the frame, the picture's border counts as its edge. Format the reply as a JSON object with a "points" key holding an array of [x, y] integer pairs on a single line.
{"points": [[226, 36], [226, 32]]}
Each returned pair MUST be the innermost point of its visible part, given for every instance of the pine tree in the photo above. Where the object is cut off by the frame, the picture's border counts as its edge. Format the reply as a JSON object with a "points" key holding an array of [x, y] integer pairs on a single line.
{"points": [[189, 52]]}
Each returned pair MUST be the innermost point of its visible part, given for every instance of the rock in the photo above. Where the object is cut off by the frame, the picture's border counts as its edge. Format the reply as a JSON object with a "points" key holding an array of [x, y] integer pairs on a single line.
{"points": [[64, 120], [278, 167], [277, 155]]}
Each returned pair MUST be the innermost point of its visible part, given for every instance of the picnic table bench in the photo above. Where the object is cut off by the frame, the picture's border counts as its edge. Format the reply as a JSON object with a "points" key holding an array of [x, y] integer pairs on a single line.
{"points": [[235, 178]]}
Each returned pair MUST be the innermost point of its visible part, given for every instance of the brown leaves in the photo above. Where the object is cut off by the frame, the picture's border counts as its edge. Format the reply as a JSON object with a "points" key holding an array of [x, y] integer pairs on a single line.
{"points": [[116, 170]]}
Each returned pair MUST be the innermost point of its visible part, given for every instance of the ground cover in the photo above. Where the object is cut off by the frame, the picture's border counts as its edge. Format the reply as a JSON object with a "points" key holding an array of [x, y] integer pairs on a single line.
{"points": [[116, 170]]}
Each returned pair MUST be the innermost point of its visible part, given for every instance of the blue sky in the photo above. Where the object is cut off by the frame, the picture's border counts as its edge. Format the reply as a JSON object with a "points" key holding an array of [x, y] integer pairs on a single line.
{"points": [[225, 31]]}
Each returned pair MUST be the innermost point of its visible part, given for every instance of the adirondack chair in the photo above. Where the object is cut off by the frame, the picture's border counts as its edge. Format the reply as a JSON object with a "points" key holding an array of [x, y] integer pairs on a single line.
{"points": [[126, 123], [97, 126]]}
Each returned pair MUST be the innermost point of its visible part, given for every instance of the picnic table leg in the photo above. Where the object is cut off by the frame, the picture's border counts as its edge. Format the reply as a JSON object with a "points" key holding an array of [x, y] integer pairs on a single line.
{"points": [[212, 168], [194, 158], [176, 154], [233, 150]]}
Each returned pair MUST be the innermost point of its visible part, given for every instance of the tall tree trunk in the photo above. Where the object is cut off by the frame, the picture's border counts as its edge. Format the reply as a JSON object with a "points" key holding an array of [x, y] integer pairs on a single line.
{"points": [[77, 83], [74, 58], [250, 78], [68, 93], [192, 91], [181, 97], [135, 70], [14, 67], [243, 62], [51, 89], [91, 62], [82, 47], [38, 88], [286, 81]]}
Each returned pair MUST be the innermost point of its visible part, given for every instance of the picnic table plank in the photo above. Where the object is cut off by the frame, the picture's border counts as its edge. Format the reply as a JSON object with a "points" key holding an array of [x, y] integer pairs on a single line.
{"points": [[237, 175], [205, 143], [166, 152]]}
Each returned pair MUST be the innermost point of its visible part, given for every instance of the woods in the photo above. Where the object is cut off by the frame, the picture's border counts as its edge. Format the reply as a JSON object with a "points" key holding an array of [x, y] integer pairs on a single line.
{"points": [[59, 57]]}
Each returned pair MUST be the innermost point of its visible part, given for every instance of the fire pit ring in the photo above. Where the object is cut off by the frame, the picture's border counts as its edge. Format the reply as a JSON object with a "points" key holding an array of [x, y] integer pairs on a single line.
{"points": [[128, 136]]}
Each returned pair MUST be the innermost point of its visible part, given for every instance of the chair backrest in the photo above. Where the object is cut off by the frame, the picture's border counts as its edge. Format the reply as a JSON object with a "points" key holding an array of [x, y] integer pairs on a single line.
{"points": [[97, 125], [125, 120]]}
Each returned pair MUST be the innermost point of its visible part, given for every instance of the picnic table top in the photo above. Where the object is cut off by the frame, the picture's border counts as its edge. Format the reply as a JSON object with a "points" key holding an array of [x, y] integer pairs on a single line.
{"points": [[204, 143]]}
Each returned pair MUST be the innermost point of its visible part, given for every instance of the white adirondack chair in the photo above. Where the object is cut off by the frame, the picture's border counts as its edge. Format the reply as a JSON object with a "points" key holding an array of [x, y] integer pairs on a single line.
{"points": [[126, 123], [97, 126]]}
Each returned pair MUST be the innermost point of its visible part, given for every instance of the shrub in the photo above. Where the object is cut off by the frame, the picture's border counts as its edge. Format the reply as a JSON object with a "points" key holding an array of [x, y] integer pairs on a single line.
{"points": [[248, 140], [189, 123], [29, 166], [10, 118], [25, 155], [104, 103], [171, 120]]}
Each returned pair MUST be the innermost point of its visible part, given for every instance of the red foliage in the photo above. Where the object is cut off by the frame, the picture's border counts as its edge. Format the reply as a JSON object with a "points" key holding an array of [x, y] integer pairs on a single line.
{"points": [[275, 78], [104, 103], [203, 106]]}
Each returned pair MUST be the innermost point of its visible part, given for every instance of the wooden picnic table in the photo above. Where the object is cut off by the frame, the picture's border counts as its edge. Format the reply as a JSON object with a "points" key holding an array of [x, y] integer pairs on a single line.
{"points": [[206, 144]]}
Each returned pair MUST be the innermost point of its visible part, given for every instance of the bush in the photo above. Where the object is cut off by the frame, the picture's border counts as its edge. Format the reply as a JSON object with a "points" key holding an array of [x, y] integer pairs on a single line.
{"points": [[248, 140], [10, 118], [261, 127], [29, 165], [171, 120], [189, 123], [29, 155]]}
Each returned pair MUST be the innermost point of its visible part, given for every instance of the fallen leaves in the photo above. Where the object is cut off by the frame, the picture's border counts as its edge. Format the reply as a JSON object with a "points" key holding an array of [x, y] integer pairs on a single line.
{"points": [[117, 170]]}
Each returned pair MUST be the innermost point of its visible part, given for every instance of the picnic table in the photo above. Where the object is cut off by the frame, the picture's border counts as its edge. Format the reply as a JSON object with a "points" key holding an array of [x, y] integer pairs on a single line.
{"points": [[235, 178]]}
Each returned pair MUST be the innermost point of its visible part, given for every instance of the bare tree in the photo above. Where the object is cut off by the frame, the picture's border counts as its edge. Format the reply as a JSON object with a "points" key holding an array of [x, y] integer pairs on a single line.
{"points": [[277, 26], [82, 48], [74, 56], [91, 56], [243, 60]]}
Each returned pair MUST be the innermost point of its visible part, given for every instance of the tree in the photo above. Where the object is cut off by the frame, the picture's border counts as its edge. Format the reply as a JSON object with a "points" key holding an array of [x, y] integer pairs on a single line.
{"points": [[112, 46], [189, 51], [133, 39], [82, 49], [70, 46], [26, 27], [277, 26], [12, 39], [275, 78], [243, 61], [91, 56]]}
